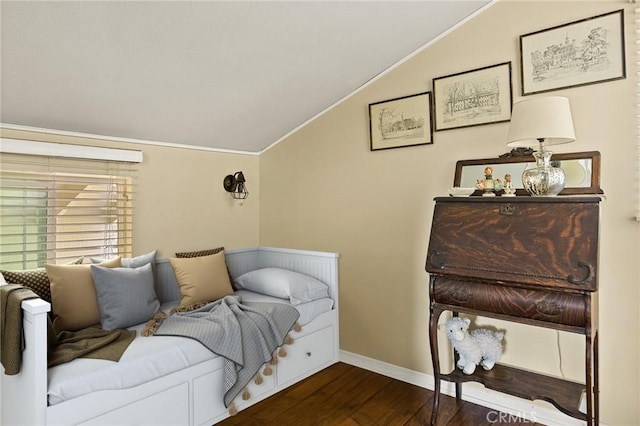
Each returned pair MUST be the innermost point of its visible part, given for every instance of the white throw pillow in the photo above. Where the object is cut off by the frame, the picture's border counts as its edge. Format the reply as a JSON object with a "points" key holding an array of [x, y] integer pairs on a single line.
{"points": [[284, 284]]}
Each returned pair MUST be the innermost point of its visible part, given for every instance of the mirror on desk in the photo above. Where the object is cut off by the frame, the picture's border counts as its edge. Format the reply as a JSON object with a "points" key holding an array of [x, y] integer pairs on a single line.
{"points": [[582, 170]]}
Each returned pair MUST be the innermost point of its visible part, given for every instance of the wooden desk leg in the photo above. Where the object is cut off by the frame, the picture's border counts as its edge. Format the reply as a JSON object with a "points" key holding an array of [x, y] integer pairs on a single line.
{"points": [[433, 340], [589, 385], [596, 386], [456, 357]]}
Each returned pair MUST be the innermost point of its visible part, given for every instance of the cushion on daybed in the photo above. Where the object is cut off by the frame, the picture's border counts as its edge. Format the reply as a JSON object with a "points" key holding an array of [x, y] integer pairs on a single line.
{"points": [[36, 279], [284, 284], [73, 295], [201, 279], [126, 296], [133, 262], [199, 253]]}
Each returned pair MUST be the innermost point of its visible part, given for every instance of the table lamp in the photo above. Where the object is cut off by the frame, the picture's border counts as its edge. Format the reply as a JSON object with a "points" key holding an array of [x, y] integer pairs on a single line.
{"points": [[537, 123]]}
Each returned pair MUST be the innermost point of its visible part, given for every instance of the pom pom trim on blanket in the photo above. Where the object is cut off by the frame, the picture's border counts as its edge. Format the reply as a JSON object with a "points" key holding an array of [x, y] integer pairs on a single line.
{"points": [[223, 327]]}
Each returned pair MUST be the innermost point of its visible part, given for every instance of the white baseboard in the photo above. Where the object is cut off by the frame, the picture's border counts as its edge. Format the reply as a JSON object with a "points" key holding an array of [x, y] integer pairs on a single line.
{"points": [[477, 395]]}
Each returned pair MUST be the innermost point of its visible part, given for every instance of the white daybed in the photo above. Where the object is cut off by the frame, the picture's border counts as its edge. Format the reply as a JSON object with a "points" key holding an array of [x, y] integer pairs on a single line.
{"points": [[193, 395]]}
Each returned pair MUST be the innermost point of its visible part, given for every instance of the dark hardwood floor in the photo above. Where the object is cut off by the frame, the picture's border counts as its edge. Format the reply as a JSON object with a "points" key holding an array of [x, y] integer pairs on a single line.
{"points": [[345, 395]]}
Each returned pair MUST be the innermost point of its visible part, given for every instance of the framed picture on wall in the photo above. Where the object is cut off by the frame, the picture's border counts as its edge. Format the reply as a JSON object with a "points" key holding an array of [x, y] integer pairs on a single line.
{"points": [[583, 52], [401, 122], [472, 98]]}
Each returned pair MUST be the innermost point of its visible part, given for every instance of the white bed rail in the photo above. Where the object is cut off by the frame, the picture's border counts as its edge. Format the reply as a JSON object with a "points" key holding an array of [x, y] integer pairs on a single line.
{"points": [[320, 265], [24, 395]]}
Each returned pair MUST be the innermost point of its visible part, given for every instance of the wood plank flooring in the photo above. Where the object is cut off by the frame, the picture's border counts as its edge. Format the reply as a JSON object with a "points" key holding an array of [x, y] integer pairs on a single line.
{"points": [[344, 395]]}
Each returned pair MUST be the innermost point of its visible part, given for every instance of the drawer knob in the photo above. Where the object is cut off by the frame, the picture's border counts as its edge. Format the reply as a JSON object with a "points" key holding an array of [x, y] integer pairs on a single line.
{"points": [[309, 354]]}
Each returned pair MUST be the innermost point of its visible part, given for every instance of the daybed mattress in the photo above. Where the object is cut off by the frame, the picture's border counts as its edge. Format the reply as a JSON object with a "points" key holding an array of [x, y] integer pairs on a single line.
{"points": [[148, 358]]}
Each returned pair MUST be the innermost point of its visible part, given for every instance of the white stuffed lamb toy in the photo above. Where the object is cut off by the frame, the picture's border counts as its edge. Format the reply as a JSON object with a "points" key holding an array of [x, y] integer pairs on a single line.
{"points": [[479, 346]]}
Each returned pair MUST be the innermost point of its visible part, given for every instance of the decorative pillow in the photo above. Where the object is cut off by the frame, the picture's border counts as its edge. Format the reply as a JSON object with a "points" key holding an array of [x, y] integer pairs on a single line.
{"points": [[132, 262], [36, 279], [126, 296], [201, 279], [284, 284], [73, 295], [199, 253]]}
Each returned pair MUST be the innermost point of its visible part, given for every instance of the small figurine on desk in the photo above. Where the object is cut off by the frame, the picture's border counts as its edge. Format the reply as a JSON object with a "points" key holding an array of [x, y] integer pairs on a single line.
{"points": [[479, 346], [509, 190], [488, 185]]}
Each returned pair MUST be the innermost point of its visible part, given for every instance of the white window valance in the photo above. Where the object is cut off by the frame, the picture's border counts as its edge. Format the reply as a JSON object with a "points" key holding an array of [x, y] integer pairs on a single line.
{"points": [[50, 149]]}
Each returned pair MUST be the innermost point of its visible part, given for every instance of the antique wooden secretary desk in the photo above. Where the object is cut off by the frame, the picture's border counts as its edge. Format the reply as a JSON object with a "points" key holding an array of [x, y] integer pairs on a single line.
{"points": [[532, 260]]}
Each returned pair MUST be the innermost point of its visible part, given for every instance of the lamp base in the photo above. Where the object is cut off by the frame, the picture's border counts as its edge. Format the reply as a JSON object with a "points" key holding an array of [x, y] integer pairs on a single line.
{"points": [[544, 180]]}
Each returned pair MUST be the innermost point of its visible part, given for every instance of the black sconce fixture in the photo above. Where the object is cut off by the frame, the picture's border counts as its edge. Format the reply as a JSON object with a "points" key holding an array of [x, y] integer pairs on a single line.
{"points": [[235, 185]]}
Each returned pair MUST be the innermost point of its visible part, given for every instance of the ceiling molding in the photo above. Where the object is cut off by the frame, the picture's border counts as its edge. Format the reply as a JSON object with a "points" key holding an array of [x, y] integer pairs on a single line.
{"points": [[123, 140]]}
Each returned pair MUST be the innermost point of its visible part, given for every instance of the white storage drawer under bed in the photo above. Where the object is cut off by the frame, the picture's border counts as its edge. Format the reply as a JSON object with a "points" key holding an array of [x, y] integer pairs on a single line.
{"points": [[307, 354], [142, 412]]}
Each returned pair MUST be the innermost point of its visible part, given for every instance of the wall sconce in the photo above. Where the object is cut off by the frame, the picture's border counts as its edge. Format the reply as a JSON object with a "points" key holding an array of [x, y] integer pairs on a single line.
{"points": [[235, 185]]}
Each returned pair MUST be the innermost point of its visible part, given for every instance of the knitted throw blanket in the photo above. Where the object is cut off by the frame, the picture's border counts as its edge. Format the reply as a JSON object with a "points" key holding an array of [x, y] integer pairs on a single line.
{"points": [[91, 342], [245, 334], [11, 333]]}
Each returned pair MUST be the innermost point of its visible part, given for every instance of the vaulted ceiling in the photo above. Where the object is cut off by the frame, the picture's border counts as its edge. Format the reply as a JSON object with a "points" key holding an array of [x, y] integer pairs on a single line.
{"points": [[236, 75]]}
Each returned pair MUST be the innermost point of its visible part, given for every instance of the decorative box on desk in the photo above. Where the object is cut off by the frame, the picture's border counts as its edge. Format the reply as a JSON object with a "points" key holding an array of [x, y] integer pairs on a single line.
{"points": [[532, 260]]}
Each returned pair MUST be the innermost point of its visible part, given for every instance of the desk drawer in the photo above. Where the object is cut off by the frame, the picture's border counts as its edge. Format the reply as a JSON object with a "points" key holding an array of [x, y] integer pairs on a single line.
{"points": [[540, 305]]}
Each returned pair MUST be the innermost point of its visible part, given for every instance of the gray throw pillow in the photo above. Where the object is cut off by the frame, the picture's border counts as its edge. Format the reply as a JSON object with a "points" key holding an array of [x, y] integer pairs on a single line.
{"points": [[136, 262], [133, 262], [126, 296]]}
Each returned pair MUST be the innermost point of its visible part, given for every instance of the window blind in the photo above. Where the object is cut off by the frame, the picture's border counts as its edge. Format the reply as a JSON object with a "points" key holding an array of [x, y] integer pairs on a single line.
{"points": [[637, 63], [55, 210]]}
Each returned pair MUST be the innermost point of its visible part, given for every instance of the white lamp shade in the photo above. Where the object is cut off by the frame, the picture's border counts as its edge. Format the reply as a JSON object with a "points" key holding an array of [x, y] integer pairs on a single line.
{"points": [[548, 118]]}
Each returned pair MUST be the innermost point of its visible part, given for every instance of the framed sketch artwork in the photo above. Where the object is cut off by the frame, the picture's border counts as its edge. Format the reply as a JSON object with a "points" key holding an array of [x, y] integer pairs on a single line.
{"points": [[472, 98], [582, 52], [401, 122]]}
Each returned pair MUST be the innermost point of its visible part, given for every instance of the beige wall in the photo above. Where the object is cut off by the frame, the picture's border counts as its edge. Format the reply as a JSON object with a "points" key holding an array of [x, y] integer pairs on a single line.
{"points": [[180, 203], [323, 189]]}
